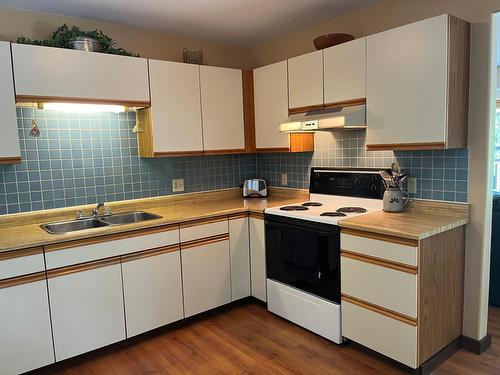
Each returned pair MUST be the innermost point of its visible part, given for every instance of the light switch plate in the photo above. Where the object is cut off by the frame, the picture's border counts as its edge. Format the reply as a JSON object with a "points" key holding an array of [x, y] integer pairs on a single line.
{"points": [[412, 185], [178, 185], [284, 179]]}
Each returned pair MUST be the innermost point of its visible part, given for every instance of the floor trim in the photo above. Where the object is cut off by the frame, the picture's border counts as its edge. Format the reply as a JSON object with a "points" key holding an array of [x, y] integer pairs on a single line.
{"points": [[437, 359], [476, 346]]}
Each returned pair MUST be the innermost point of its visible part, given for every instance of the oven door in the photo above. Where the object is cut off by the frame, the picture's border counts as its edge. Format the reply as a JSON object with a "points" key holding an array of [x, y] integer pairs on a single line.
{"points": [[304, 254]]}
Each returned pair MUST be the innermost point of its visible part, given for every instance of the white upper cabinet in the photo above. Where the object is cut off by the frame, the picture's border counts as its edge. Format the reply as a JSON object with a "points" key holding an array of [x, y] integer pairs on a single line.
{"points": [[45, 72], [9, 141], [305, 80], [222, 109], [175, 107], [345, 71], [417, 85], [271, 105]]}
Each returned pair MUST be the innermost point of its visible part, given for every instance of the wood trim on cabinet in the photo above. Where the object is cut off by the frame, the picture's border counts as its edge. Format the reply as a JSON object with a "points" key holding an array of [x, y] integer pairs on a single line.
{"points": [[407, 146], [239, 215], [150, 253], [197, 222], [380, 310], [204, 241], [21, 253], [379, 262], [272, 149], [177, 153], [20, 280], [249, 110], [63, 99], [381, 237], [10, 160], [308, 108], [346, 103], [224, 151], [256, 215], [82, 267], [302, 142], [110, 237], [145, 138]]}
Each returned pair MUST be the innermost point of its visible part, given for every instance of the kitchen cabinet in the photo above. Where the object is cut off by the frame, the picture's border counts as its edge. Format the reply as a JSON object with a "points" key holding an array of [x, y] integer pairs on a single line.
{"points": [[345, 73], [305, 82], [412, 322], [206, 275], [9, 142], [172, 126], [222, 109], [152, 289], [86, 303], [417, 86], [26, 336], [258, 256], [58, 74], [239, 247]]}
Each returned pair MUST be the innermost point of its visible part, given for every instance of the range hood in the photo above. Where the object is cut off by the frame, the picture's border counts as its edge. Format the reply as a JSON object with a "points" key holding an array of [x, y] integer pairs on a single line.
{"points": [[353, 117]]}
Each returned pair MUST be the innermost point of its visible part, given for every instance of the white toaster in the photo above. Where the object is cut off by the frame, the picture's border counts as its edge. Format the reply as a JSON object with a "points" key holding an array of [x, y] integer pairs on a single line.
{"points": [[256, 187]]}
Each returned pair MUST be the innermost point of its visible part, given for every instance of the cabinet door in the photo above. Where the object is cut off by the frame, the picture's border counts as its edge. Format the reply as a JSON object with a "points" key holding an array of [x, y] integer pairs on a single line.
{"points": [[152, 289], [271, 105], [69, 74], [9, 141], [222, 109], [345, 71], [206, 276], [26, 337], [175, 106], [406, 84], [305, 80], [87, 307], [240, 258], [258, 258]]}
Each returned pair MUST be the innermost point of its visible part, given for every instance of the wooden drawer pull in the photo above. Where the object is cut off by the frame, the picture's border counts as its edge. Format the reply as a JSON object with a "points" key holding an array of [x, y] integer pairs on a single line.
{"points": [[196, 223], [150, 253], [20, 280], [82, 267], [204, 241], [257, 215], [379, 262], [380, 237], [21, 253]]}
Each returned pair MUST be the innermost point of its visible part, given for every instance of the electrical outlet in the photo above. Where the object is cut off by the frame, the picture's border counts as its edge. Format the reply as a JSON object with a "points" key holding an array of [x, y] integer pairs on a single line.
{"points": [[284, 179], [178, 185], [412, 185]]}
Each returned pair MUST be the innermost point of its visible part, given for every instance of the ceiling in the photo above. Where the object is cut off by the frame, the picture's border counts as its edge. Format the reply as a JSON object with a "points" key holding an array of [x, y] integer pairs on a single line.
{"points": [[243, 22]]}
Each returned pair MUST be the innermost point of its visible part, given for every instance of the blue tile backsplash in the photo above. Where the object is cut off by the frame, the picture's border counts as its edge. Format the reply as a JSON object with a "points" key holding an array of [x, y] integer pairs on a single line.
{"points": [[84, 158]]}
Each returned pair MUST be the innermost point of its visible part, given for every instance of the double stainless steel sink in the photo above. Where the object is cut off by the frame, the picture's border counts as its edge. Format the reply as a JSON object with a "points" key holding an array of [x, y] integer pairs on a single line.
{"points": [[98, 222]]}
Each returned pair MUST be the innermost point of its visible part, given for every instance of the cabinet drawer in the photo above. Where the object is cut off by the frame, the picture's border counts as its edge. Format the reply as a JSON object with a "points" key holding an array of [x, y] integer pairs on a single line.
{"points": [[389, 288], [391, 251], [21, 262], [381, 333], [130, 243], [190, 232]]}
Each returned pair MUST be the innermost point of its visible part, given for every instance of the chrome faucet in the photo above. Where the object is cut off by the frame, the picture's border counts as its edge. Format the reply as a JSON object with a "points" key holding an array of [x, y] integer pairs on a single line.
{"points": [[95, 211]]}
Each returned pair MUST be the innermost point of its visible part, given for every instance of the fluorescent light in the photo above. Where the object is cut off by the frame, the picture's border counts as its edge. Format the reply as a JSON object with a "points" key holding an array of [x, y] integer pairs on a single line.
{"points": [[287, 127], [83, 107]]}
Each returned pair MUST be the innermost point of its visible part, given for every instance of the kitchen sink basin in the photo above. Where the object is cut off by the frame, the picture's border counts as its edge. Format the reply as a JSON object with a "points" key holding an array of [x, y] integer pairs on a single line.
{"points": [[73, 225], [129, 217], [98, 222]]}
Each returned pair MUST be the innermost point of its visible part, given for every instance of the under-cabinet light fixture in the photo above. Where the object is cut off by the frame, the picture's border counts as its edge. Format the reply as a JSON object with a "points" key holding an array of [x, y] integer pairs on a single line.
{"points": [[84, 107]]}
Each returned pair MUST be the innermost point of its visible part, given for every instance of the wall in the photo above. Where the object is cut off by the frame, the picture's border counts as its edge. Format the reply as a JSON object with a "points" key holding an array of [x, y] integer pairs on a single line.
{"points": [[440, 174], [86, 158], [380, 16], [147, 43]]}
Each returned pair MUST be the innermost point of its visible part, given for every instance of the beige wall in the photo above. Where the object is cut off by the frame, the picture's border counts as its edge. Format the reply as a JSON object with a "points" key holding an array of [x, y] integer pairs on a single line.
{"points": [[147, 43], [382, 15]]}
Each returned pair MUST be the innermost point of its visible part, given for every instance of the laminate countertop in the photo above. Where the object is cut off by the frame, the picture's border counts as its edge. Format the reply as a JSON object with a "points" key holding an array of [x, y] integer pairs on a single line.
{"points": [[22, 231]]}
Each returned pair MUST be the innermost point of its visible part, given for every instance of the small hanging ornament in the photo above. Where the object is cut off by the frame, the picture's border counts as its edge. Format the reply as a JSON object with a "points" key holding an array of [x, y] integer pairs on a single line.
{"points": [[137, 128], [35, 130]]}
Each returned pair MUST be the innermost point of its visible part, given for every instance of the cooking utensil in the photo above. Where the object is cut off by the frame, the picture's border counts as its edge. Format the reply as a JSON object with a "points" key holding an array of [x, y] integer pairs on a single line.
{"points": [[388, 180]]}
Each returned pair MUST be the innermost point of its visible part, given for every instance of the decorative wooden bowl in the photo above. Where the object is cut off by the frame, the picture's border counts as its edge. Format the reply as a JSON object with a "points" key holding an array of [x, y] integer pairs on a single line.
{"points": [[329, 40]]}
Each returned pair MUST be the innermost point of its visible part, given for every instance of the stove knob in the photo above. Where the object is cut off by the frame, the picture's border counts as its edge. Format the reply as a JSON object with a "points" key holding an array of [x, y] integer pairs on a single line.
{"points": [[358, 182]]}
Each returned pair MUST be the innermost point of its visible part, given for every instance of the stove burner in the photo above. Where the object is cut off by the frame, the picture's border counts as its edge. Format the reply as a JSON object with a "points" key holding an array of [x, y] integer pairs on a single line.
{"points": [[357, 210], [312, 204], [294, 208], [332, 214]]}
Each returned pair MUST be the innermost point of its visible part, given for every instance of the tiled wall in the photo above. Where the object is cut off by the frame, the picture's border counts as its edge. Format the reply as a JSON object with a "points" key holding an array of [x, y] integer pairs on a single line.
{"points": [[86, 158], [440, 174]]}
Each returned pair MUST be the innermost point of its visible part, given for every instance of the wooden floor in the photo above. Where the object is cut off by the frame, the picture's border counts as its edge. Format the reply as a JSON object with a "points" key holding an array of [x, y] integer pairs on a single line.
{"points": [[247, 339]]}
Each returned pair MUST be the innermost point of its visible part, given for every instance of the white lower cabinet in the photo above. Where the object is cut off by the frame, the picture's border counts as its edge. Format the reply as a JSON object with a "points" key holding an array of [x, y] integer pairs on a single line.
{"points": [[25, 335], [152, 289], [240, 258], [86, 303], [258, 258], [206, 276]]}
